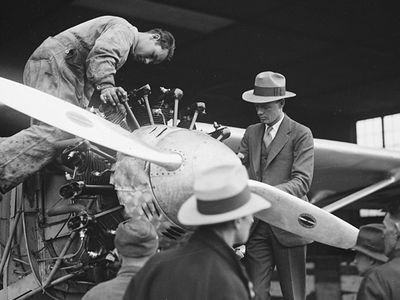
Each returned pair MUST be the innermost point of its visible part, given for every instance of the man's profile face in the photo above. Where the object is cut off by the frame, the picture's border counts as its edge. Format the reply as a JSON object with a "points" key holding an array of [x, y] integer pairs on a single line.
{"points": [[270, 112], [391, 234], [244, 230], [149, 51]]}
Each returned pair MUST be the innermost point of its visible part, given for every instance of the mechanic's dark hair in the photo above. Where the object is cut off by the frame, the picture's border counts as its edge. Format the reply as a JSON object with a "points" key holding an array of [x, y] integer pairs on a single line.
{"points": [[166, 41]]}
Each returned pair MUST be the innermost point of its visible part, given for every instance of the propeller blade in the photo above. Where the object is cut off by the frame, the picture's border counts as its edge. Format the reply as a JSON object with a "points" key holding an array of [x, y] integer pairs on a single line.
{"points": [[302, 218], [82, 123]]}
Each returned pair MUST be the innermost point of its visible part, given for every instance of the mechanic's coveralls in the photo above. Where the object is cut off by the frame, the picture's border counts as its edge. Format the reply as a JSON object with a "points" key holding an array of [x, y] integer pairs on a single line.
{"points": [[70, 66]]}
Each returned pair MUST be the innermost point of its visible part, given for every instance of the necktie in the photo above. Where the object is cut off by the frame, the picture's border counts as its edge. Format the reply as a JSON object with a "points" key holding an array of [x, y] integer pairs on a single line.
{"points": [[267, 136]]}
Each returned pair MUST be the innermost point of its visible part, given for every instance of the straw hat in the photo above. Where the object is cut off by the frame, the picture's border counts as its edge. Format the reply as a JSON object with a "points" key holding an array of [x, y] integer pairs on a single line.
{"points": [[221, 194], [268, 87]]}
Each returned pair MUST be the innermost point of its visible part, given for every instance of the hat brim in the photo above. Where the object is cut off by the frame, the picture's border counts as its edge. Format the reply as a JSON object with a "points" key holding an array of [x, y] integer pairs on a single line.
{"points": [[378, 256], [190, 216], [250, 97]]}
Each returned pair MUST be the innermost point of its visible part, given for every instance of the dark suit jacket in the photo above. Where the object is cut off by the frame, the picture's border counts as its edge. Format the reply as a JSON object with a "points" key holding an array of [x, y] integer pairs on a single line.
{"points": [[382, 282], [206, 268], [290, 164]]}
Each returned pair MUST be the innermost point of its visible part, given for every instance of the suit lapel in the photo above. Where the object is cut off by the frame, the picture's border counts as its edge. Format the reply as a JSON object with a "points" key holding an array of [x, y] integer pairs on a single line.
{"points": [[257, 140], [280, 140]]}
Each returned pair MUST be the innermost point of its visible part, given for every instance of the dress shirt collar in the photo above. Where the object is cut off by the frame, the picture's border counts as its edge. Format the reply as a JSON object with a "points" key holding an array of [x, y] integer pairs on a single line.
{"points": [[275, 127]]}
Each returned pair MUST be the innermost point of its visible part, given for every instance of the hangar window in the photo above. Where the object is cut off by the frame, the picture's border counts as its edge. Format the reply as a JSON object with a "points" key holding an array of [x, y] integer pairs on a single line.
{"points": [[379, 132], [392, 131], [369, 132]]}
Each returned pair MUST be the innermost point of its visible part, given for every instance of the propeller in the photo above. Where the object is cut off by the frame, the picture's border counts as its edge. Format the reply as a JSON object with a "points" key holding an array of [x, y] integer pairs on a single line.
{"points": [[302, 218], [82, 123]]}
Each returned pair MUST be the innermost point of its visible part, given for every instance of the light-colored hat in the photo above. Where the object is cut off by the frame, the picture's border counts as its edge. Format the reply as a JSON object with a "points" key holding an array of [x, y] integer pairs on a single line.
{"points": [[136, 238], [221, 194], [268, 87], [370, 241]]}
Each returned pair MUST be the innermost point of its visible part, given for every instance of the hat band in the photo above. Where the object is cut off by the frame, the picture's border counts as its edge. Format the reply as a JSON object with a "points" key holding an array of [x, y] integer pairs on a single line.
{"points": [[269, 91], [214, 207]]}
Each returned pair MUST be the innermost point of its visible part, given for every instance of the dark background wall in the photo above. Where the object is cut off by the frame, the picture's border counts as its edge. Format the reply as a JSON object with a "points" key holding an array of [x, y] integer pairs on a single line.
{"points": [[340, 57]]}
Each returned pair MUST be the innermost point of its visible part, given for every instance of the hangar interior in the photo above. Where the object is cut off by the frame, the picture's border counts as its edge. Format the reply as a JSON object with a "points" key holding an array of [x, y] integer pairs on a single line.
{"points": [[340, 58]]}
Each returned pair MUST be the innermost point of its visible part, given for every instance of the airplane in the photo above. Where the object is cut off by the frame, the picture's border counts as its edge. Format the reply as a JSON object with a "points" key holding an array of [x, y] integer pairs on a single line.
{"points": [[344, 173], [63, 231]]}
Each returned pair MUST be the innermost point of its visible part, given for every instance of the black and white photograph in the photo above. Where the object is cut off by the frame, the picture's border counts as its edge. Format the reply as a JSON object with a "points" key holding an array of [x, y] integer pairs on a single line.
{"points": [[199, 150]]}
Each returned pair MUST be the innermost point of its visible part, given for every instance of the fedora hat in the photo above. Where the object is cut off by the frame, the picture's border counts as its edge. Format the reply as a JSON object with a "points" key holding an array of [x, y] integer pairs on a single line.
{"points": [[221, 194], [370, 241], [268, 87]]}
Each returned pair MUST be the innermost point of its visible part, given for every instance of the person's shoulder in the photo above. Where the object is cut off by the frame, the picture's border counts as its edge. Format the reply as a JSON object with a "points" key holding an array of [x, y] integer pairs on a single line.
{"points": [[296, 123], [379, 275], [95, 292], [112, 20], [391, 268], [254, 126], [297, 126]]}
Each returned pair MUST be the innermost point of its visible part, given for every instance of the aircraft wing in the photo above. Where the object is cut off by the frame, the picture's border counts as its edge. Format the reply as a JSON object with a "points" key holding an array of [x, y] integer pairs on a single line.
{"points": [[344, 168], [344, 171]]}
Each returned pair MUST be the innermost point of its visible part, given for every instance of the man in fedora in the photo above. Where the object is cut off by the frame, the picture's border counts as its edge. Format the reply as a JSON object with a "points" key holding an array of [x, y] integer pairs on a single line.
{"points": [[383, 281], [207, 266], [370, 248], [136, 241], [280, 152]]}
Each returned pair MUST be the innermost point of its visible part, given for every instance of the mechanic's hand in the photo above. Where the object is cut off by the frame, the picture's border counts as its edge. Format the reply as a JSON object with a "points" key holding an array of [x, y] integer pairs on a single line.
{"points": [[113, 95]]}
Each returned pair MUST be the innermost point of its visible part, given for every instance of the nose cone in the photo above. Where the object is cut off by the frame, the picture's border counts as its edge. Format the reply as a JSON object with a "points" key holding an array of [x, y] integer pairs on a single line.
{"points": [[147, 189], [199, 151]]}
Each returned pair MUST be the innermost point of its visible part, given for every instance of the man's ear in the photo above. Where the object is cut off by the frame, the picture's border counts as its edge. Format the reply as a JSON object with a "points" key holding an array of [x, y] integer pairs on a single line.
{"points": [[156, 36], [237, 223]]}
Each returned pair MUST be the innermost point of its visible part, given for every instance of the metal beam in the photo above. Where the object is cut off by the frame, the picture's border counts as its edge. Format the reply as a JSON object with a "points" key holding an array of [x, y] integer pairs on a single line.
{"points": [[362, 193], [7, 248]]}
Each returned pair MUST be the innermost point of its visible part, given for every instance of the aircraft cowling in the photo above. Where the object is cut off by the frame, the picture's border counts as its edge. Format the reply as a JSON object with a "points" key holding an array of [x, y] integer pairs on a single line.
{"points": [[151, 191]]}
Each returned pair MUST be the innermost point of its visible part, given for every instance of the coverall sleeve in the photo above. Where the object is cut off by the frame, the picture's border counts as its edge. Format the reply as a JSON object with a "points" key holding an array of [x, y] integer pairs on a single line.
{"points": [[108, 54]]}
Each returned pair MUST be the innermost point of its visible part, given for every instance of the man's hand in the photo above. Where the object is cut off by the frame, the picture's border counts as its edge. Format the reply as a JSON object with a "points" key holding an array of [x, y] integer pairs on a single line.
{"points": [[113, 95]]}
